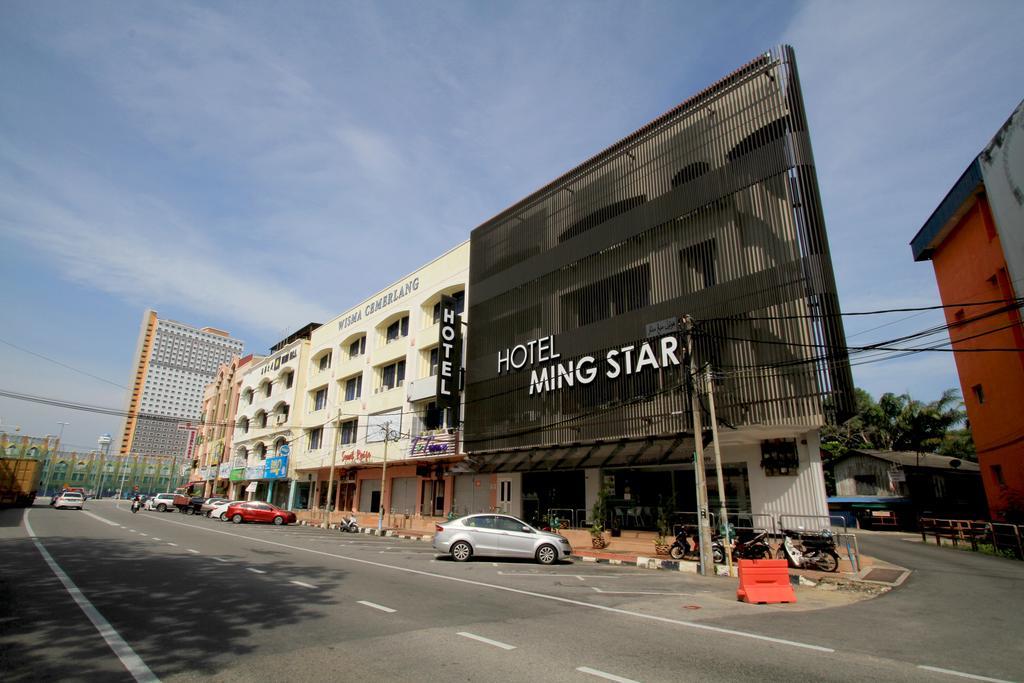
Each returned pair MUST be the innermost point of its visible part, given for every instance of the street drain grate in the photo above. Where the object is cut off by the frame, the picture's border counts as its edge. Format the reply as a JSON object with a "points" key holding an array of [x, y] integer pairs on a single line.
{"points": [[884, 575]]}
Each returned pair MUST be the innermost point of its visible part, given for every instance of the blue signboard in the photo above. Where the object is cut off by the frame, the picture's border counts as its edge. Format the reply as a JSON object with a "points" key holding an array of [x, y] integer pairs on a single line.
{"points": [[275, 468], [284, 449]]}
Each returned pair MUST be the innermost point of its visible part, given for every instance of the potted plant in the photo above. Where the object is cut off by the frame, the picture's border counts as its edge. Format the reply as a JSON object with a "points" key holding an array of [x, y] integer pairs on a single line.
{"points": [[661, 544], [597, 539]]}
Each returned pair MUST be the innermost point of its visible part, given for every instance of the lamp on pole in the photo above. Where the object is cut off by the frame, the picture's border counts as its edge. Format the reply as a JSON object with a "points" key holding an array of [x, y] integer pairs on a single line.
{"points": [[54, 454], [104, 442]]}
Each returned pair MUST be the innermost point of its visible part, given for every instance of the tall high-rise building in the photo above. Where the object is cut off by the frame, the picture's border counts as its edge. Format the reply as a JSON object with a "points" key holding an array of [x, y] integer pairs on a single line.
{"points": [[173, 364]]}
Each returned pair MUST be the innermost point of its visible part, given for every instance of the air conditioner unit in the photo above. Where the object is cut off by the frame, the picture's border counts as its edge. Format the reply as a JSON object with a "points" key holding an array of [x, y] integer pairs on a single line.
{"points": [[281, 419]]}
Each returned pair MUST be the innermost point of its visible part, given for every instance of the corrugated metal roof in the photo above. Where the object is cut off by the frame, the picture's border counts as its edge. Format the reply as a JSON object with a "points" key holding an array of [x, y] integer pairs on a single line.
{"points": [[911, 459]]}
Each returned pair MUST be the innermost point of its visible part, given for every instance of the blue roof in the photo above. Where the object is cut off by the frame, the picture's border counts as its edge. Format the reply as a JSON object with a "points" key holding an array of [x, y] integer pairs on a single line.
{"points": [[932, 232], [893, 500]]}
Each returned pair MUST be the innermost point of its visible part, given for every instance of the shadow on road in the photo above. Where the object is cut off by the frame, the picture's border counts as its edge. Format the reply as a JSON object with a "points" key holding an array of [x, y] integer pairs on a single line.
{"points": [[181, 613]]}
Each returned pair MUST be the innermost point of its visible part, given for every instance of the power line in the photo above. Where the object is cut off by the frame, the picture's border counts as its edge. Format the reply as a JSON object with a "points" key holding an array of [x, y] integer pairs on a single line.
{"points": [[63, 365]]}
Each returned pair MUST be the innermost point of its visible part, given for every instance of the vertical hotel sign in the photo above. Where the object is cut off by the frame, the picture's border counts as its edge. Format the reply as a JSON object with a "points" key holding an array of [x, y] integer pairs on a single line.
{"points": [[449, 359]]}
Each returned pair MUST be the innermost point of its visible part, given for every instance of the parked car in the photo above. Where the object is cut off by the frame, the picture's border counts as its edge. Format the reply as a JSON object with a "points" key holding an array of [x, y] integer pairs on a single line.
{"points": [[220, 510], [498, 536], [256, 511], [211, 503], [70, 499], [161, 502]]}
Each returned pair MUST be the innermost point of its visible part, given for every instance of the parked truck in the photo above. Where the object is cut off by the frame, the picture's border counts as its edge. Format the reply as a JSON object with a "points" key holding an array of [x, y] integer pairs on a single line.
{"points": [[19, 481]]}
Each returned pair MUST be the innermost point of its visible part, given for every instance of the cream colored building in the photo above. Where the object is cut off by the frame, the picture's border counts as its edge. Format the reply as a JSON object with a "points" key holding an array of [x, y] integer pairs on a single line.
{"points": [[372, 371], [269, 416]]}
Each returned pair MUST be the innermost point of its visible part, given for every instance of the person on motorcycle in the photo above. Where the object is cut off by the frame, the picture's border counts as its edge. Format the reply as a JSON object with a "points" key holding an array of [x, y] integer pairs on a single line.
{"points": [[136, 503]]}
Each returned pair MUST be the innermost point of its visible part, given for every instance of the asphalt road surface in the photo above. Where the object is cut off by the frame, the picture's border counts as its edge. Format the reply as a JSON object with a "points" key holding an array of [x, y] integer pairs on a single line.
{"points": [[115, 596]]}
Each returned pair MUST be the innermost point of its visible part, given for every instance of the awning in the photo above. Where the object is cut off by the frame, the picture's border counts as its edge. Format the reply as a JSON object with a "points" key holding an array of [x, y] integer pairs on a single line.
{"points": [[619, 453]]}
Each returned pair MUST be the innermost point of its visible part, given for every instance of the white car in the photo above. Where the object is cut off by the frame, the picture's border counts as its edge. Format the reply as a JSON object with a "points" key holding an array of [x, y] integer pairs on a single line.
{"points": [[161, 502], [70, 499], [220, 511]]}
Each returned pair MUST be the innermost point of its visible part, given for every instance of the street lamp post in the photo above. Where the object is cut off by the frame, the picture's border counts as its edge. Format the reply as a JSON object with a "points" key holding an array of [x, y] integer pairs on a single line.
{"points": [[104, 442], [53, 456]]}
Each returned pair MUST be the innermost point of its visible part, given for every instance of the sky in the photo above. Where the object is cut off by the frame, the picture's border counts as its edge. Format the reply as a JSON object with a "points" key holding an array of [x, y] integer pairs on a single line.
{"points": [[255, 166]]}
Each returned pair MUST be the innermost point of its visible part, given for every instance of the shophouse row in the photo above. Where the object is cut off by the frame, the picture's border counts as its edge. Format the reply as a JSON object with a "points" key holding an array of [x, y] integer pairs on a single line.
{"points": [[575, 372]]}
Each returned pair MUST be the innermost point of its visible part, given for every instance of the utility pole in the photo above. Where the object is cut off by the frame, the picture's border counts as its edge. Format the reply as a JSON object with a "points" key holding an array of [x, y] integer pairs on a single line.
{"points": [[383, 481], [703, 523], [54, 453], [330, 479], [723, 514]]}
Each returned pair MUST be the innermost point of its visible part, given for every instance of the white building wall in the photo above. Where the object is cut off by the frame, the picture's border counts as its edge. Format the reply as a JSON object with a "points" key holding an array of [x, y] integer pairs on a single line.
{"points": [[803, 494]]}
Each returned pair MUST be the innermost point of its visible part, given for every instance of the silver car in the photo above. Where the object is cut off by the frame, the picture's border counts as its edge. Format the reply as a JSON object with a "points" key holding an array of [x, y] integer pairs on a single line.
{"points": [[498, 536]]}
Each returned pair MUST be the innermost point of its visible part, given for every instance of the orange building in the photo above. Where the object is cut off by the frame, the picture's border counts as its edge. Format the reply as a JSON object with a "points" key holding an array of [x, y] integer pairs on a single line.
{"points": [[973, 240]]}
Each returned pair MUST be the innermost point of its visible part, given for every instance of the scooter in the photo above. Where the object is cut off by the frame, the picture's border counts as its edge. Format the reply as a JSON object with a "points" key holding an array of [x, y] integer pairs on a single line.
{"points": [[135, 506], [809, 551], [349, 524]]}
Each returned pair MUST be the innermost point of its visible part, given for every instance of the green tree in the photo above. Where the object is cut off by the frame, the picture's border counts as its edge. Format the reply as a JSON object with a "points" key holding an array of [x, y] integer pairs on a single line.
{"points": [[898, 422]]}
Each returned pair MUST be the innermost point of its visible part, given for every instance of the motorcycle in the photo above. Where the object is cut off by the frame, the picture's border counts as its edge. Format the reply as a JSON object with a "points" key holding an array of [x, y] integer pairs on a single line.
{"points": [[754, 548], [687, 546], [809, 550], [135, 506], [349, 525]]}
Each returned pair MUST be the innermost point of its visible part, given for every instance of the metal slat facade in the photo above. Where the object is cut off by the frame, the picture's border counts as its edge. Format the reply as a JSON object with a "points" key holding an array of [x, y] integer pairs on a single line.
{"points": [[712, 210]]}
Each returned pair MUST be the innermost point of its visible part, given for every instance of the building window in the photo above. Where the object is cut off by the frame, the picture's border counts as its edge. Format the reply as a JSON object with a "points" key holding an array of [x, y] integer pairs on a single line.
{"points": [[325, 362], [997, 474], [262, 419], [316, 437], [348, 431], [460, 305], [433, 360], [979, 393], [357, 348], [354, 388], [320, 399], [392, 376], [398, 329], [289, 379]]}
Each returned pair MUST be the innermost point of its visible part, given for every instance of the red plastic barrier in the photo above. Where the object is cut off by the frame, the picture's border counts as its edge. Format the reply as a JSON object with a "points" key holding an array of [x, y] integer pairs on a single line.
{"points": [[764, 581]]}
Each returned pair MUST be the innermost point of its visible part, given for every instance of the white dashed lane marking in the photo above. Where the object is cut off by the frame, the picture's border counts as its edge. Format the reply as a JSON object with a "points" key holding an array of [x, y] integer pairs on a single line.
{"points": [[255, 571], [303, 584], [488, 641], [374, 605], [604, 674]]}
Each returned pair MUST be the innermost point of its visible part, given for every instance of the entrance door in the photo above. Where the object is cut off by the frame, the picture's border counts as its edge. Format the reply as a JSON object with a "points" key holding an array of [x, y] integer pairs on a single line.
{"points": [[505, 495]]}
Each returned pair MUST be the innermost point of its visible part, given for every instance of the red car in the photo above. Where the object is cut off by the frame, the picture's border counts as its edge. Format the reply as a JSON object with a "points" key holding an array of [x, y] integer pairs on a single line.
{"points": [[256, 511]]}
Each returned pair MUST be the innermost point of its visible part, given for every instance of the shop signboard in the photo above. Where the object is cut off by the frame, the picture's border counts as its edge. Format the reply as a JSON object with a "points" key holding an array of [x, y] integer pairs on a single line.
{"points": [[449, 359], [433, 445], [237, 474], [225, 471], [254, 472], [276, 467]]}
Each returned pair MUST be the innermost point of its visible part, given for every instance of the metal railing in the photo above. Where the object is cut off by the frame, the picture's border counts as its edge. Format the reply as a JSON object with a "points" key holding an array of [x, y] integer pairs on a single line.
{"points": [[1005, 539]]}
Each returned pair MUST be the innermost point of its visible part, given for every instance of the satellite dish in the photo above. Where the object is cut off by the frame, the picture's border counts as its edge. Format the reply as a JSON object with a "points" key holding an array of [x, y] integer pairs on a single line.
{"points": [[955, 463]]}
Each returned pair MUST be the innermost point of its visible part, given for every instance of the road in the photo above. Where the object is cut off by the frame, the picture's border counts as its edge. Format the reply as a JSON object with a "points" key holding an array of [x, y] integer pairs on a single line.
{"points": [[195, 599]]}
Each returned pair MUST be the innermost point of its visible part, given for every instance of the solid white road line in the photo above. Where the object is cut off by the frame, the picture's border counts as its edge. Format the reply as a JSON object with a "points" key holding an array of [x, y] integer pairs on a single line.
{"points": [[131, 661], [961, 674], [105, 521], [303, 584], [256, 571], [518, 591], [495, 643], [604, 674], [374, 605]]}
